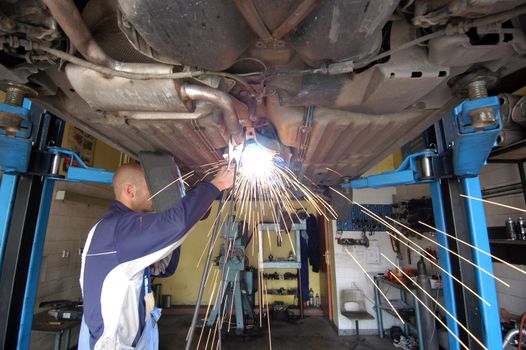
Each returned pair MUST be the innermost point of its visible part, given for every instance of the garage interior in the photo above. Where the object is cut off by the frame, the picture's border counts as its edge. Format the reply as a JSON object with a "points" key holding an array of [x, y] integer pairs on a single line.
{"points": [[378, 149]]}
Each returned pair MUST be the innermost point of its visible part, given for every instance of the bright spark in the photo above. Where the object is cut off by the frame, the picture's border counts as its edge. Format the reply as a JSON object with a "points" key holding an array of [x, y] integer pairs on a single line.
{"points": [[256, 161], [494, 203]]}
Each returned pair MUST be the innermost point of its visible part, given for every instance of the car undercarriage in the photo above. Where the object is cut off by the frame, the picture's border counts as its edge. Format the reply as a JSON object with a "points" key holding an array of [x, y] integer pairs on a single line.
{"points": [[329, 85]]}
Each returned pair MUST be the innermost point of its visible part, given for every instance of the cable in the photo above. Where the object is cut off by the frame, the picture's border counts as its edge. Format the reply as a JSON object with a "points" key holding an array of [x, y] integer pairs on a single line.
{"points": [[205, 273], [29, 45], [117, 73]]}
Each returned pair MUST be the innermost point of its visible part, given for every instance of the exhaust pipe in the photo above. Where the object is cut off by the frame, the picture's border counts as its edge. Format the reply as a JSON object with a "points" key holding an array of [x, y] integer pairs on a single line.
{"points": [[68, 17], [223, 101]]}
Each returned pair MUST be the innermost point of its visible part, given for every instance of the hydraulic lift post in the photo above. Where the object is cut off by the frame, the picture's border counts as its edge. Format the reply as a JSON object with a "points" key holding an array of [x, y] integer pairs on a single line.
{"points": [[463, 144], [30, 168]]}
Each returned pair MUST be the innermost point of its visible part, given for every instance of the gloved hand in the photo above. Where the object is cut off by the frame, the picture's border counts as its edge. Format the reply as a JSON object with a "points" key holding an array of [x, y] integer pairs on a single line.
{"points": [[224, 179]]}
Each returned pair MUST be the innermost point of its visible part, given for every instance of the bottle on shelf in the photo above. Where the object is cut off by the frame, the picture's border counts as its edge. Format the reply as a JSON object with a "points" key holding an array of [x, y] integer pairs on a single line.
{"points": [[510, 229], [311, 297], [521, 232], [318, 302]]}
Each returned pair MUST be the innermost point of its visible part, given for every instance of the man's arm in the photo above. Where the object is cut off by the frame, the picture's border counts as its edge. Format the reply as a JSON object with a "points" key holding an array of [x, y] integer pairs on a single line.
{"points": [[142, 239]]}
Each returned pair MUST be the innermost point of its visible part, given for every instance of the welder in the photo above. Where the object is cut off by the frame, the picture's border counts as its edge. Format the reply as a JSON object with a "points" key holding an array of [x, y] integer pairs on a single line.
{"points": [[125, 249]]}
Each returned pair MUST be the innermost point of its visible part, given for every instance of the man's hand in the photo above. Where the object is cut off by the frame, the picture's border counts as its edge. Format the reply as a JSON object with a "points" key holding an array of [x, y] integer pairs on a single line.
{"points": [[224, 179]]}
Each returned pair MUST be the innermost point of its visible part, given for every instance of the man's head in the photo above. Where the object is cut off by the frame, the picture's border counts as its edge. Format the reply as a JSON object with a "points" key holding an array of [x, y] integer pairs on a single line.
{"points": [[129, 185]]}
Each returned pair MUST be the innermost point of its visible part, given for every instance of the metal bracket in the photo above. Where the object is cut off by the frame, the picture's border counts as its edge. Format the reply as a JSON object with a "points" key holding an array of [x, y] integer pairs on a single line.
{"points": [[414, 169], [83, 173], [15, 138], [470, 144]]}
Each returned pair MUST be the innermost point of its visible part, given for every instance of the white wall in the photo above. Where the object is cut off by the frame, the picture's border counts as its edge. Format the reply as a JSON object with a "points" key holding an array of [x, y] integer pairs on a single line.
{"points": [[349, 275], [69, 224]]}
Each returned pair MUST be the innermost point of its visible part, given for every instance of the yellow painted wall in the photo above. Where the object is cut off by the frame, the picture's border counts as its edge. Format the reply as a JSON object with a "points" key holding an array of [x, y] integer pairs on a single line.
{"points": [[104, 156], [184, 284], [387, 164]]}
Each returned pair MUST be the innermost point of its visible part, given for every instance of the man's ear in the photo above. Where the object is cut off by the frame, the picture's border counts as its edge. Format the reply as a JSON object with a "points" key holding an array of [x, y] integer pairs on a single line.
{"points": [[129, 190]]}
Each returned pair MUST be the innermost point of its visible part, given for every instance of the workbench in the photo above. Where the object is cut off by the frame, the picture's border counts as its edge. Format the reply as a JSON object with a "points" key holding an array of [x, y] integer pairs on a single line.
{"points": [[44, 323], [407, 311]]}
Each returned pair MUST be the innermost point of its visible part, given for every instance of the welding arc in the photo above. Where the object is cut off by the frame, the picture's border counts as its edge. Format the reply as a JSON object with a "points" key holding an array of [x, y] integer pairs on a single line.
{"points": [[432, 313], [379, 219], [473, 247], [452, 252], [436, 303], [494, 203], [375, 285]]}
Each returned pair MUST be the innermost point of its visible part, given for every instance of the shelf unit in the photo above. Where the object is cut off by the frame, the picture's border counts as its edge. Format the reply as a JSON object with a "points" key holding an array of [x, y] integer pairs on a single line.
{"points": [[514, 153], [295, 264]]}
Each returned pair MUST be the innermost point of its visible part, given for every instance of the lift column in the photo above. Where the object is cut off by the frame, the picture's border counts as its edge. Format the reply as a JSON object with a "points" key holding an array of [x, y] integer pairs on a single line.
{"points": [[464, 139], [25, 133]]}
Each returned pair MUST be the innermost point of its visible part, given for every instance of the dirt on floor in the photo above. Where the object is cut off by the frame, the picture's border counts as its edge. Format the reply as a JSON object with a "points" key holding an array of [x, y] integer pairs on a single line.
{"points": [[309, 333]]}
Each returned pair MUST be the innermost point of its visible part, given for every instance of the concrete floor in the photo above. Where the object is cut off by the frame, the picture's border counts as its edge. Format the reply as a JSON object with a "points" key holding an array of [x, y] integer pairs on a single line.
{"points": [[310, 333]]}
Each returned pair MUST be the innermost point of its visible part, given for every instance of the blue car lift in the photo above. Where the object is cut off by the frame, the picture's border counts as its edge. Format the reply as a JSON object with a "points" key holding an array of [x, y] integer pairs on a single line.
{"points": [[463, 146], [30, 168]]}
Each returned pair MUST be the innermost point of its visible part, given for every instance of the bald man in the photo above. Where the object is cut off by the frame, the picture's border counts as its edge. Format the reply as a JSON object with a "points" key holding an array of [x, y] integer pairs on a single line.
{"points": [[128, 246]]}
